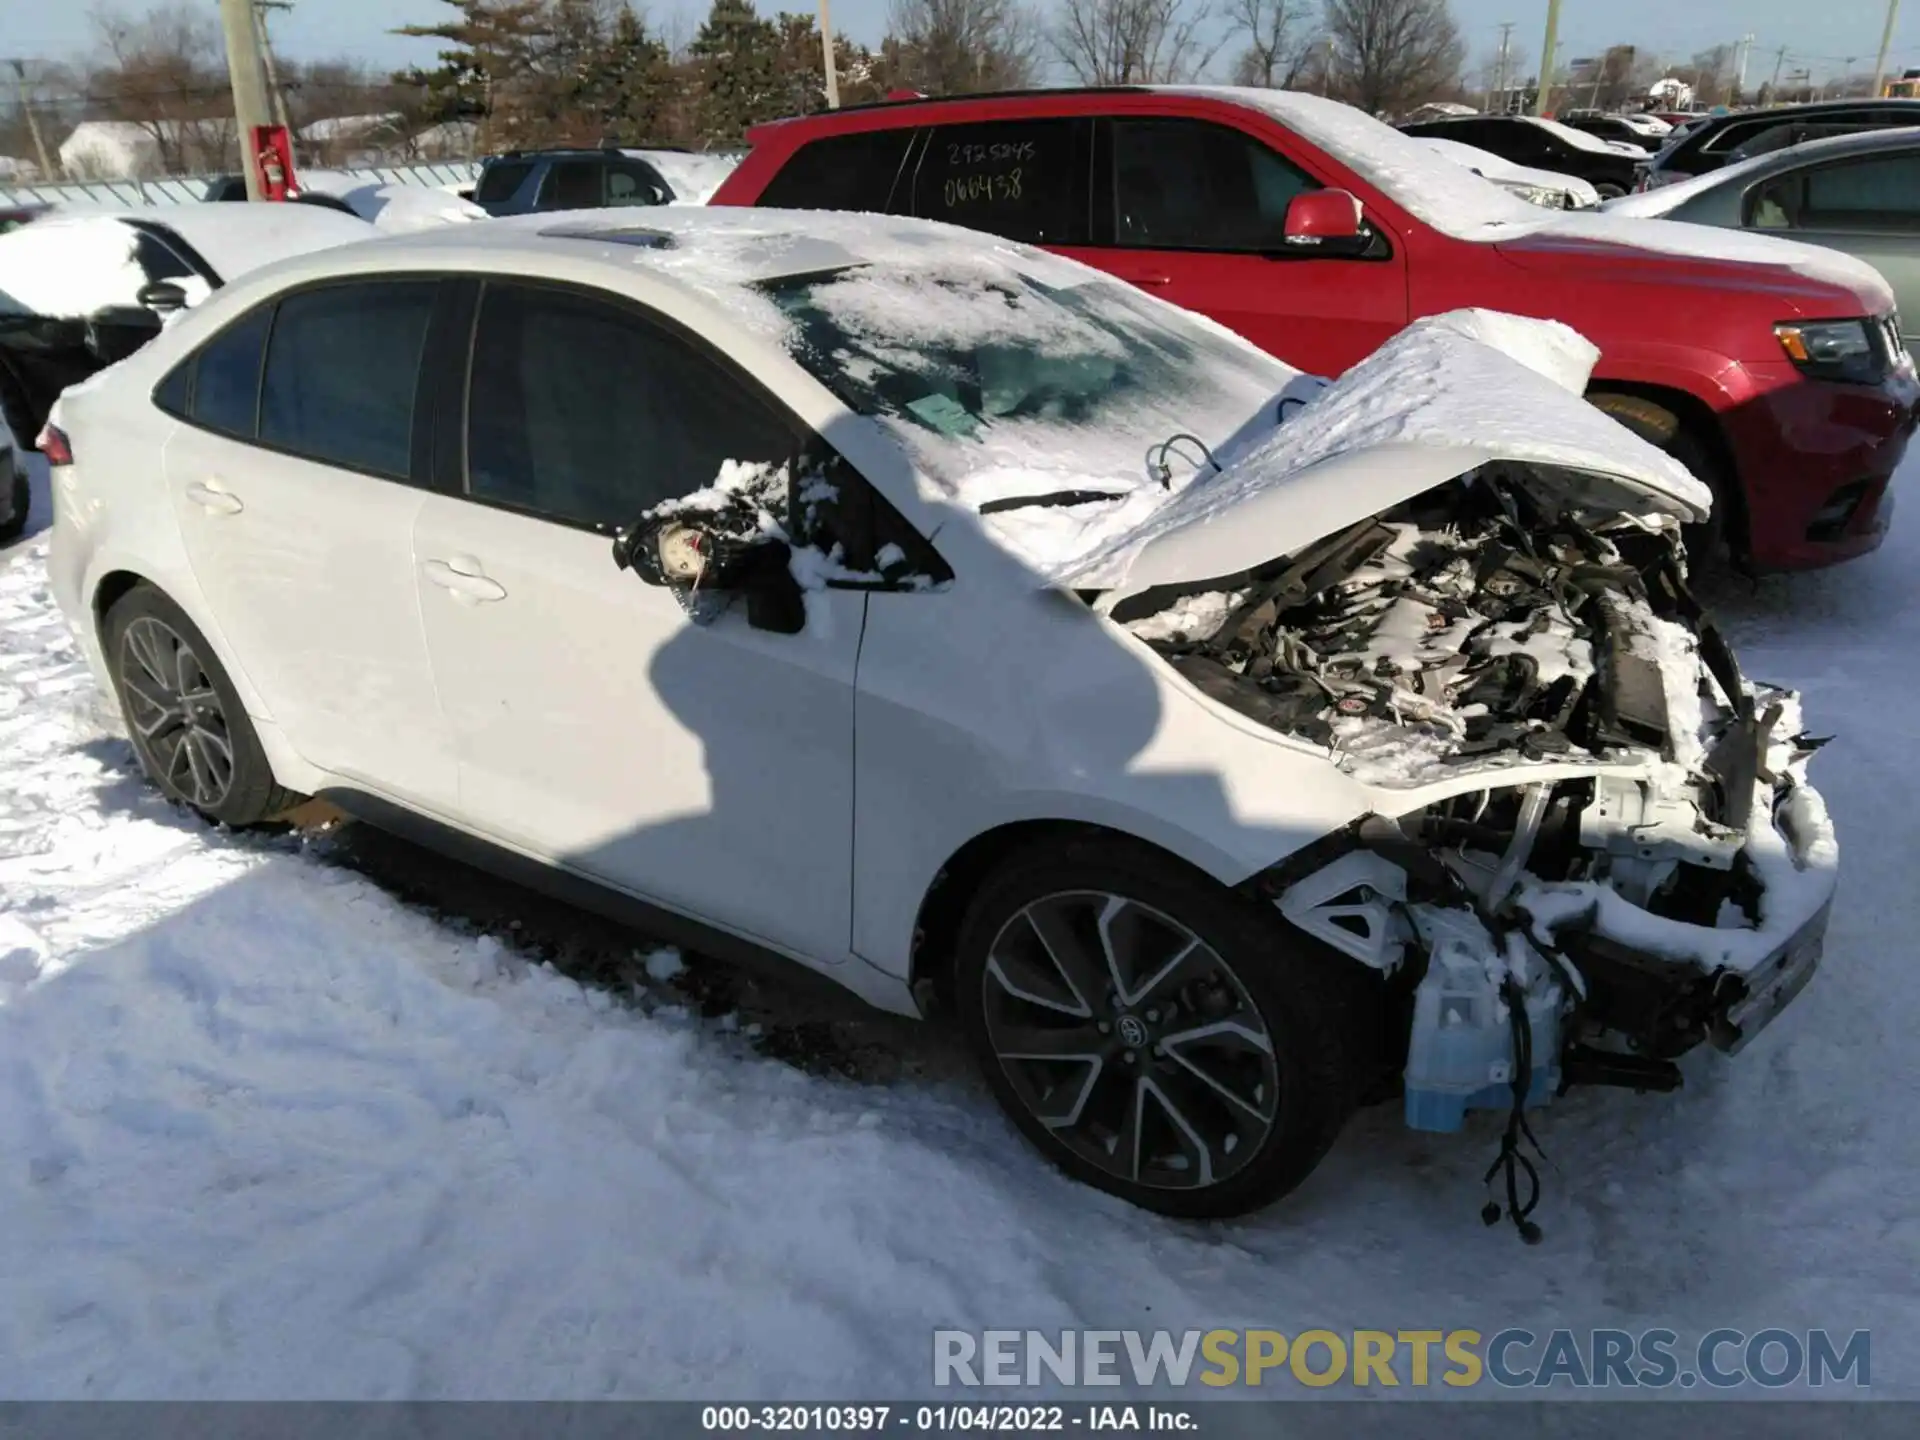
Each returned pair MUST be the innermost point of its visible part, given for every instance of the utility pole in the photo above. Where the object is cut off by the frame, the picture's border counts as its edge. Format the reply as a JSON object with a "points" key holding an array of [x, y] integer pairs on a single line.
{"points": [[1740, 68], [249, 91], [274, 92], [1886, 39], [1543, 98], [1779, 59], [1506, 36], [826, 46], [47, 172]]}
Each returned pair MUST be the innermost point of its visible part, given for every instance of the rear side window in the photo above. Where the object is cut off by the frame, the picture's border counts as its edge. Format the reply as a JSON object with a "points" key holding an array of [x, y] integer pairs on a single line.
{"points": [[1193, 185], [501, 181], [580, 410], [571, 185], [1881, 195], [226, 376], [340, 374], [840, 172], [1021, 179]]}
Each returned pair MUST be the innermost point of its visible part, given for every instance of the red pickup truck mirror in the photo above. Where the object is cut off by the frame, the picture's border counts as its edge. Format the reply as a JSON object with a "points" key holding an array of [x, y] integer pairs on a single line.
{"points": [[1325, 220]]}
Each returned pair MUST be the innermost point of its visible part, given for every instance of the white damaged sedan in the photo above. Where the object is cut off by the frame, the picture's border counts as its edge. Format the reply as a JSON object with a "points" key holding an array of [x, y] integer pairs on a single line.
{"points": [[1221, 748]]}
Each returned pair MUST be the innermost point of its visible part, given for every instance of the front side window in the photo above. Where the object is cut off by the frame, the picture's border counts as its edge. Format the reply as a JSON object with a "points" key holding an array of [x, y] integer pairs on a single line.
{"points": [[631, 184], [1021, 179], [341, 368], [226, 376], [582, 411], [571, 185], [1193, 185]]}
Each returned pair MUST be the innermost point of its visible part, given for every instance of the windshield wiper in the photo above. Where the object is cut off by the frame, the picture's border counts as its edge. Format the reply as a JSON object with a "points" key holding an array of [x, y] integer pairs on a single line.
{"points": [[1052, 497]]}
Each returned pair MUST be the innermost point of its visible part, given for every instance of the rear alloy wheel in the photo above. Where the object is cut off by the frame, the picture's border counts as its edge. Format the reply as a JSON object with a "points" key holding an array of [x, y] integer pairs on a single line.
{"points": [[188, 727], [1149, 1031]]}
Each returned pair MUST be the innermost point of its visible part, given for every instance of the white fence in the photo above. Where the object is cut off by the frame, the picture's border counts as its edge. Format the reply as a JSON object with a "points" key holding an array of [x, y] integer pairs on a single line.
{"points": [[186, 189]]}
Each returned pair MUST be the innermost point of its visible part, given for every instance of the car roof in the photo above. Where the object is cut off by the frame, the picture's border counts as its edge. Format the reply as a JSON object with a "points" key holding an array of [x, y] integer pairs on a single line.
{"points": [[713, 257]]}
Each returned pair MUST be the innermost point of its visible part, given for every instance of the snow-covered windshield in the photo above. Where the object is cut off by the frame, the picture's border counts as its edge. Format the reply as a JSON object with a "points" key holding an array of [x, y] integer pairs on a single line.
{"points": [[1004, 384]]}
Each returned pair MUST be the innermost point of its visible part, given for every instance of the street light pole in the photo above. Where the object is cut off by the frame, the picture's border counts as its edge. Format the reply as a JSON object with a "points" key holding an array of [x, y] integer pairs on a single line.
{"points": [[1541, 100], [826, 46], [1886, 40], [249, 91]]}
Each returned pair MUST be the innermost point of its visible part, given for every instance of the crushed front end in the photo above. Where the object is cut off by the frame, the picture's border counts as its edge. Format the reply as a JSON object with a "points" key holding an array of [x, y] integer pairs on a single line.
{"points": [[1594, 845]]}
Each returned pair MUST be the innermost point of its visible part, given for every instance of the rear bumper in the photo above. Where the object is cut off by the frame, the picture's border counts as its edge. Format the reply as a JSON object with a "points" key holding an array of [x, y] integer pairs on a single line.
{"points": [[1815, 461]]}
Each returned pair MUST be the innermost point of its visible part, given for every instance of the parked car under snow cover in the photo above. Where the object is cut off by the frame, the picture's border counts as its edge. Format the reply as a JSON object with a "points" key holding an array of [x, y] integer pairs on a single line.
{"points": [[1362, 742], [1537, 187], [81, 289]]}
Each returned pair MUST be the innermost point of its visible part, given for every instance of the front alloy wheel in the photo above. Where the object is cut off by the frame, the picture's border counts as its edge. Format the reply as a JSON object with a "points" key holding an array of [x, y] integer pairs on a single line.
{"points": [[1126, 1036], [1155, 1034]]}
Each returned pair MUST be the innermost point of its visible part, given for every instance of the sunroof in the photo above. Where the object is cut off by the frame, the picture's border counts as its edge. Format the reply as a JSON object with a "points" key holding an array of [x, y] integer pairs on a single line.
{"points": [[636, 236]]}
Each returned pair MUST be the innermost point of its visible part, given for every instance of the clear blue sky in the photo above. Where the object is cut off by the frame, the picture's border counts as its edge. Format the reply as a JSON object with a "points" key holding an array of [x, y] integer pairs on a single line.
{"points": [[1819, 33]]}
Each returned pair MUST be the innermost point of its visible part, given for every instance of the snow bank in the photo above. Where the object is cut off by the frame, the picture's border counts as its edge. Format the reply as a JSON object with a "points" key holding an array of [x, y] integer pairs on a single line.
{"points": [[68, 267]]}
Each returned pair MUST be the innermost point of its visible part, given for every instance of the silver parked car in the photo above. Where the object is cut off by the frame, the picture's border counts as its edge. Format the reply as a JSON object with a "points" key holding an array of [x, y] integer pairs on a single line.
{"points": [[1856, 193]]}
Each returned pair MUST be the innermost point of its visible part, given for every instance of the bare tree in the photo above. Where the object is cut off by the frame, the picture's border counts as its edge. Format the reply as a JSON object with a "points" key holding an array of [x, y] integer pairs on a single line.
{"points": [[1282, 43], [166, 73], [952, 47], [1390, 55], [1132, 42]]}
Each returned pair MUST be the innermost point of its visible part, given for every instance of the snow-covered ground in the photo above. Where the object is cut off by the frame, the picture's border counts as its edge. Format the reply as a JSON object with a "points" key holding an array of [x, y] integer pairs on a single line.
{"points": [[266, 1130]]}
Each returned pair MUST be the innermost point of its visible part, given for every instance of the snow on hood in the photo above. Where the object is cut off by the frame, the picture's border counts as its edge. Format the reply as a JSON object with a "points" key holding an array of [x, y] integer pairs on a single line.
{"points": [[68, 266], [1446, 395], [1604, 231]]}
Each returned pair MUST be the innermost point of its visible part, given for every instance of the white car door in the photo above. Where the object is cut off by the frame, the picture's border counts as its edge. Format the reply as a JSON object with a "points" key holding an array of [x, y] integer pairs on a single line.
{"points": [[290, 482], [707, 767]]}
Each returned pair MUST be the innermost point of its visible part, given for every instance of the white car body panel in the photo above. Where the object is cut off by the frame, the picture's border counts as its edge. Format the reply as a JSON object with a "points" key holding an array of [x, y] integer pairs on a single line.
{"points": [[801, 790], [706, 768], [312, 577]]}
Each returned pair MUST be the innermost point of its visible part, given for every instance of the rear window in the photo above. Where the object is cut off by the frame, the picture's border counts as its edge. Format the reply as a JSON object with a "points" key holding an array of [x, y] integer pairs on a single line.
{"points": [[841, 172], [501, 180], [1020, 179]]}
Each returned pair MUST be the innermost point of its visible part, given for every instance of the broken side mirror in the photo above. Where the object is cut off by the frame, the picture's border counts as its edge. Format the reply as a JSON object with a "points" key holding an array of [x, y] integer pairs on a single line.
{"points": [[1329, 223], [163, 297], [696, 560]]}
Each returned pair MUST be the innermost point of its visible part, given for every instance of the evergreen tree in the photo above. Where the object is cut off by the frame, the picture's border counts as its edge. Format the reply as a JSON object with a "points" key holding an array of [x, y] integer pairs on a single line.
{"points": [[737, 59], [485, 66]]}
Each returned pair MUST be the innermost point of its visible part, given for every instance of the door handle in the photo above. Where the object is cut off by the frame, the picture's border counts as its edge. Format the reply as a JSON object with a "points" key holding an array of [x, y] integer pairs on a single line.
{"points": [[462, 576], [215, 501]]}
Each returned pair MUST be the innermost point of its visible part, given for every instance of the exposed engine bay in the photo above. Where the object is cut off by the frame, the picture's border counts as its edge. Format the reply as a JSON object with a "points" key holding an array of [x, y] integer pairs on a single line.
{"points": [[1626, 861]]}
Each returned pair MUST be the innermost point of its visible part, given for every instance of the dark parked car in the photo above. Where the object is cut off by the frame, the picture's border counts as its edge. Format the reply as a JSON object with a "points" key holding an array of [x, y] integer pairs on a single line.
{"points": [[114, 277], [1724, 139], [520, 182], [1614, 127], [1606, 165]]}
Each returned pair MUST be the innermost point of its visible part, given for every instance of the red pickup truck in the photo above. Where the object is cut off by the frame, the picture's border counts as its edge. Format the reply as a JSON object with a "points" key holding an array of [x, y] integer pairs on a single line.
{"points": [[1773, 370]]}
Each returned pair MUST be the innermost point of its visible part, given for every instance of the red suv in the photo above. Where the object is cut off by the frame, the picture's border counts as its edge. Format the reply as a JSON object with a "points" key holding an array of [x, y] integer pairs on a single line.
{"points": [[1773, 370]]}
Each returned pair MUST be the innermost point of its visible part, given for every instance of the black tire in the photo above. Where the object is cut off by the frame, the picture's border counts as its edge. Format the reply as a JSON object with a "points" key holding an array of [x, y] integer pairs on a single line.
{"points": [[174, 749], [1305, 1000], [15, 524], [1707, 543], [1609, 191]]}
